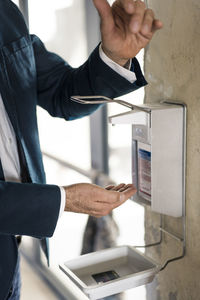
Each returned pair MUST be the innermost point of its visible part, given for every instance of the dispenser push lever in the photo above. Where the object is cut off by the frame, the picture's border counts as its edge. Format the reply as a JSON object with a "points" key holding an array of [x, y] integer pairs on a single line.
{"points": [[97, 99]]}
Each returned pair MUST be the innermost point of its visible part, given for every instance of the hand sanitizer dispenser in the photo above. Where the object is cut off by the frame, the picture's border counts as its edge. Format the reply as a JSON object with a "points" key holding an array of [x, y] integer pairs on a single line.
{"points": [[158, 164], [157, 155]]}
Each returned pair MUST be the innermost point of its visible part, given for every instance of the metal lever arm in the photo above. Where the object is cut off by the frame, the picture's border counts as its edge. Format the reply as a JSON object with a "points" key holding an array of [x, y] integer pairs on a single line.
{"points": [[103, 99]]}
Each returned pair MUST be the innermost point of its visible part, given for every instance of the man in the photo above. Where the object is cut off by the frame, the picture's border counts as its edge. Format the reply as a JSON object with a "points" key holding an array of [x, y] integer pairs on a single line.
{"points": [[30, 76]]}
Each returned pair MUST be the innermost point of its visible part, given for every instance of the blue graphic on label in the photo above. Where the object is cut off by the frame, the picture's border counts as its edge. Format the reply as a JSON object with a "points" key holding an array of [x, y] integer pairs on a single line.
{"points": [[144, 169]]}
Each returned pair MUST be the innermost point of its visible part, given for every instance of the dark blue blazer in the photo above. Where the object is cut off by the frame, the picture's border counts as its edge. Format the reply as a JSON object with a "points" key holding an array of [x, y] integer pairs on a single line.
{"points": [[31, 76]]}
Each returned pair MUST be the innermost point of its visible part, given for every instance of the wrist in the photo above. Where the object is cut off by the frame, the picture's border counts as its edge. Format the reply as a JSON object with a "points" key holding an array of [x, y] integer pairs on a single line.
{"points": [[120, 61]]}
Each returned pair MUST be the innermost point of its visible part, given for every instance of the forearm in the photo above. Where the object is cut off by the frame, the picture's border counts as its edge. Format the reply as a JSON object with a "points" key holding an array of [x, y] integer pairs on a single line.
{"points": [[120, 61], [98, 78], [28, 209], [57, 82]]}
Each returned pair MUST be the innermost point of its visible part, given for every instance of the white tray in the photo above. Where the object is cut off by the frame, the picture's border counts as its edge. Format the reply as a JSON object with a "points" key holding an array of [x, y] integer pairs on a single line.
{"points": [[129, 268]]}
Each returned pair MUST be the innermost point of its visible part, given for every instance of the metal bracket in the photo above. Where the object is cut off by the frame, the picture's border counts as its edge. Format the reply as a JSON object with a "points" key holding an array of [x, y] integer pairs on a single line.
{"points": [[159, 242]]}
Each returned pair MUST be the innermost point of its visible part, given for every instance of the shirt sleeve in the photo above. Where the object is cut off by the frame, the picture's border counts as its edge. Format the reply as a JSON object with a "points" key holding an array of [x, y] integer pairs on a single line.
{"points": [[124, 72], [62, 201]]}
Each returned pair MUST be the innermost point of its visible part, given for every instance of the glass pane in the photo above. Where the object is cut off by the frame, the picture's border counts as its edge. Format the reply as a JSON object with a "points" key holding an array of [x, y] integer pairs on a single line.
{"points": [[61, 25], [54, 22]]}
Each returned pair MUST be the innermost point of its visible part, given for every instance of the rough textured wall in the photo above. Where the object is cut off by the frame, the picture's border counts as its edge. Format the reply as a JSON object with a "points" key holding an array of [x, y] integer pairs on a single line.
{"points": [[172, 68]]}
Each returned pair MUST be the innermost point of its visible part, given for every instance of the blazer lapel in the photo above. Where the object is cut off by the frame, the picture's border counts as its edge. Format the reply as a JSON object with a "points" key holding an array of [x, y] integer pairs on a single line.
{"points": [[7, 95]]}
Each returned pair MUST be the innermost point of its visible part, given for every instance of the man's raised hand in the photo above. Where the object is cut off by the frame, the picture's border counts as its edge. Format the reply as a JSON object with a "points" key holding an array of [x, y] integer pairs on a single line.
{"points": [[126, 27]]}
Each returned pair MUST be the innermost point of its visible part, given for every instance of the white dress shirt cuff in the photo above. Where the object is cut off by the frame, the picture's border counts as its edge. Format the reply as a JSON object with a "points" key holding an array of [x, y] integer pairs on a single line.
{"points": [[127, 74], [62, 200]]}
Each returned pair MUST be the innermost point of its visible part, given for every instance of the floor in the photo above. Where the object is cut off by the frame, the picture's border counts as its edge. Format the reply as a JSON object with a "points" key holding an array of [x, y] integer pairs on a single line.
{"points": [[32, 286]]}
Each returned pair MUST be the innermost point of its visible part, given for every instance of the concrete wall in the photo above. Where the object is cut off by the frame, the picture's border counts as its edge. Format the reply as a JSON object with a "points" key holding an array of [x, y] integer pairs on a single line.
{"points": [[172, 68]]}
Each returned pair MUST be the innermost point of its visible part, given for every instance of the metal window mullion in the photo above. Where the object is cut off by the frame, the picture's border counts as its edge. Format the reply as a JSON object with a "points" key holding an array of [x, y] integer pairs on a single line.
{"points": [[23, 5], [98, 121]]}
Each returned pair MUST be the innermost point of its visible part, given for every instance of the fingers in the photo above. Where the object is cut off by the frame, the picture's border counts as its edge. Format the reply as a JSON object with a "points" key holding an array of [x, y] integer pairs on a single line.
{"points": [[142, 19], [124, 188], [136, 10], [137, 16], [105, 13], [150, 25], [115, 187], [119, 194], [147, 23], [118, 187], [124, 193], [109, 187], [116, 196], [128, 5], [157, 24], [127, 193]]}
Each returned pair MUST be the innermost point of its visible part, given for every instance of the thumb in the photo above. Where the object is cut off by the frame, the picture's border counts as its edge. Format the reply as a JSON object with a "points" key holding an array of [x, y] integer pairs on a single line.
{"points": [[105, 13], [127, 193]]}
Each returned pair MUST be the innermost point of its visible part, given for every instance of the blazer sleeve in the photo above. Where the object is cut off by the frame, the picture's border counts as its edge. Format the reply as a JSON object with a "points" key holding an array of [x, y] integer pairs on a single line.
{"points": [[57, 81], [28, 209]]}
